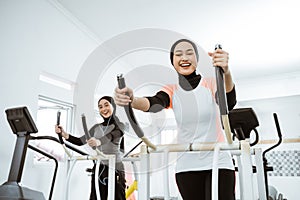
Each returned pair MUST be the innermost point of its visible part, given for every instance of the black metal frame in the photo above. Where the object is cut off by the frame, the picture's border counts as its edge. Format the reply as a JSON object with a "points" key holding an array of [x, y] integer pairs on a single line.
{"points": [[23, 125], [242, 122]]}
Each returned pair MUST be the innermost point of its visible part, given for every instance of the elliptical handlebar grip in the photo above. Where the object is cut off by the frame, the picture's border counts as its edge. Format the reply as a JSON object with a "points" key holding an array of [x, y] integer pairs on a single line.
{"points": [[222, 99], [85, 129], [58, 123], [277, 126], [220, 85], [128, 109], [121, 82]]}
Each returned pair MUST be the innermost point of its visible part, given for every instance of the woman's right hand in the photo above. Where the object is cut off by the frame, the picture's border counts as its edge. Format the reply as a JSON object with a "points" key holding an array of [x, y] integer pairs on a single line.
{"points": [[59, 130], [123, 96]]}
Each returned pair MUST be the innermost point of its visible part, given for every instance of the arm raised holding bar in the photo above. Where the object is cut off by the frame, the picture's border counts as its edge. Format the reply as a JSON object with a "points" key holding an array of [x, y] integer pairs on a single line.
{"points": [[222, 100], [131, 117], [88, 136], [60, 135], [58, 123], [85, 129]]}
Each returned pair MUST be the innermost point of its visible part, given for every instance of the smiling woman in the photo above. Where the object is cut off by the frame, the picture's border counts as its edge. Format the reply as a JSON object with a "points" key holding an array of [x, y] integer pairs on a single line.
{"points": [[107, 137], [193, 101], [184, 56], [105, 108]]}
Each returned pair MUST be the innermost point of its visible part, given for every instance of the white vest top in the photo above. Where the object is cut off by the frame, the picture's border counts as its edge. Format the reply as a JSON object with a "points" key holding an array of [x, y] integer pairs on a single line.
{"points": [[198, 120]]}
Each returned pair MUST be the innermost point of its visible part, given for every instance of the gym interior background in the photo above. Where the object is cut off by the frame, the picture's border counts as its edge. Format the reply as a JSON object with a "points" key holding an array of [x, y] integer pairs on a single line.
{"points": [[44, 44]]}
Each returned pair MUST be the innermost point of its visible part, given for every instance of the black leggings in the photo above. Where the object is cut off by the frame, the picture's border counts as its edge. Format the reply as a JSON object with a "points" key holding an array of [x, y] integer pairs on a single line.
{"points": [[103, 184], [197, 184]]}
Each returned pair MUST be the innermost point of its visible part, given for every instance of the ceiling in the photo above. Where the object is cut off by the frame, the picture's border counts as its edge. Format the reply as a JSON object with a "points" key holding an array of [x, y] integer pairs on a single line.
{"points": [[262, 37]]}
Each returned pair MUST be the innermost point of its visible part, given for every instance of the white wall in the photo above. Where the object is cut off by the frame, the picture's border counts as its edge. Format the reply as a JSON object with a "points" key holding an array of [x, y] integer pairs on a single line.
{"points": [[36, 37]]}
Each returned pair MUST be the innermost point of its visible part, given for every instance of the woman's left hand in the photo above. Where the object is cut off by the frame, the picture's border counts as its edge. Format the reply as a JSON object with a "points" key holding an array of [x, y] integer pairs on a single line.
{"points": [[93, 142], [220, 58]]}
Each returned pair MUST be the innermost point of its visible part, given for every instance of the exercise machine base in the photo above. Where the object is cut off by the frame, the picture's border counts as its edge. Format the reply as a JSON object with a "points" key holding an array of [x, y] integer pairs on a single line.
{"points": [[13, 191]]}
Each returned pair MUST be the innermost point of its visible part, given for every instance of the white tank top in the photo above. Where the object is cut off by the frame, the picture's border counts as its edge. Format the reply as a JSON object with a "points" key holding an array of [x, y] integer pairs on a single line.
{"points": [[198, 120]]}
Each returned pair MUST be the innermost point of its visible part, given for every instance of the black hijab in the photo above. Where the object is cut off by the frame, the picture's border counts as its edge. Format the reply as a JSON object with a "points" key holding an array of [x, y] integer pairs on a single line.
{"points": [[111, 119], [191, 81]]}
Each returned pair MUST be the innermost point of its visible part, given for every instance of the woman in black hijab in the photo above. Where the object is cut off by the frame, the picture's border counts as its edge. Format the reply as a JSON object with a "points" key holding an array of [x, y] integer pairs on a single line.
{"points": [[108, 138]]}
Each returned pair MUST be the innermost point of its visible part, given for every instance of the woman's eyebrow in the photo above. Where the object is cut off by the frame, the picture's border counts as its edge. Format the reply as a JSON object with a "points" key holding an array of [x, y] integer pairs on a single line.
{"points": [[189, 50], [178, 50]]}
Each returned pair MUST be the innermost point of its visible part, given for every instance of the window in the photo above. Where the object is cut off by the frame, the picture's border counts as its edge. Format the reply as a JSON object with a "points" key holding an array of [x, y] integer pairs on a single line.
{"points": [[46, 120]]}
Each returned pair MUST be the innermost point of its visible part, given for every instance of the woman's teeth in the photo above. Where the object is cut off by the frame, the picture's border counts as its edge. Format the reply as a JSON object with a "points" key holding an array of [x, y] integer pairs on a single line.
{"points": [[185, 64]]}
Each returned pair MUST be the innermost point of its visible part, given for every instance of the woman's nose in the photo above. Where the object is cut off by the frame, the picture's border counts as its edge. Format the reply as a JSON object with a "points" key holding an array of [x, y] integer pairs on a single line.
{"points": [[183, 57]]}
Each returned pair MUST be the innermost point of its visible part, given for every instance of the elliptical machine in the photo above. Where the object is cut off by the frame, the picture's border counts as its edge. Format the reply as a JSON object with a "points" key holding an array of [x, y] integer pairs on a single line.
{"points": [[271, 191], [22, 125], [242, 122]]}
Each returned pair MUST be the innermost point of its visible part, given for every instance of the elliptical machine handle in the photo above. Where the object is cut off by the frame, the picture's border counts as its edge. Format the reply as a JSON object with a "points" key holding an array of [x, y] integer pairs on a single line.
{"points": [[131, 117], [58, 123], [128, 109], [85, 129], [222, 100]]}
